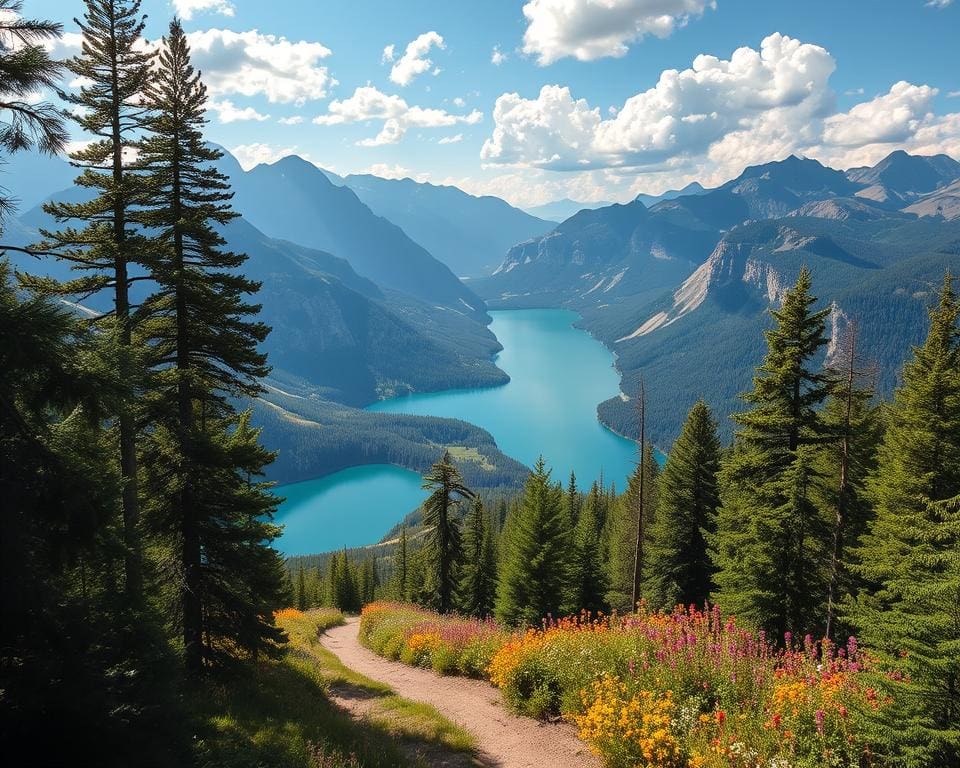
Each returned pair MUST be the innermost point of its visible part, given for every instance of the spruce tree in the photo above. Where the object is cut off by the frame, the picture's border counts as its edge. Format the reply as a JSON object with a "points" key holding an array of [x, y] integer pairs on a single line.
{"points": [[440, 517], [772, 543], [588, 582], [25, 68], [532, 579], [681, 571], [907, 609], [202, 339], [478, 582], [115, 71]]}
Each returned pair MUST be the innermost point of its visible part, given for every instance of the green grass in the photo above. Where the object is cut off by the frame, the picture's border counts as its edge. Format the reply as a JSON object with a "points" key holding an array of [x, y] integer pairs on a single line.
{"points": [[280, 714]]}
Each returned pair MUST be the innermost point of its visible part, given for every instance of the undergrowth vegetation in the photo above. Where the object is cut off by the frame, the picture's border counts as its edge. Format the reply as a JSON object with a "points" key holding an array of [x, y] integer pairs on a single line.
{"points": [[687, 689]]}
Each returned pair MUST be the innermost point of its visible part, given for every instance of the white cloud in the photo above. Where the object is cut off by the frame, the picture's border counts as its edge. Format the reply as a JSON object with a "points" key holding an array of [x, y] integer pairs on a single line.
{"points": [[497, 57], [185, 9], [295, 120], [389, 53], [451, 139], [953, 94], [251, 63], [710, 121], [414, 61], [784, 82], [938, 3], [369, 103], [592, 29], [228, 112], [250, 155], [893, 117], [853, 92], [459, 102]]}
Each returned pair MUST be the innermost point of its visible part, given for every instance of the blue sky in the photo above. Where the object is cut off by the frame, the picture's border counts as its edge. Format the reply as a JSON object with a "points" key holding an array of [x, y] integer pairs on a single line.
{"points": [[593, 117]]}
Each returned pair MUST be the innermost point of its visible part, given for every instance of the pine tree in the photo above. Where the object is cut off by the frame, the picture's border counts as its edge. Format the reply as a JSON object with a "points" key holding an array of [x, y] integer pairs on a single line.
{"points": [[681, 571], [622, 528], [400, 568], [115, 71], [532, 579], [202, 341], [442, 547], [25, 68], [907, 610], [478, 582], [772, 544], [587, 575]]}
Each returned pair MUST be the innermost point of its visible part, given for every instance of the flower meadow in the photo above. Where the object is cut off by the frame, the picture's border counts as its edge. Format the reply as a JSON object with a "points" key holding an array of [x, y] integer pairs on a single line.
{"points": [[687, 689]]}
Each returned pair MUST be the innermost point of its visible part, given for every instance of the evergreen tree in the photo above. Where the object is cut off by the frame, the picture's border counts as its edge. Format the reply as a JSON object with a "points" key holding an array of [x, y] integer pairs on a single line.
{"points": [[301, 590], [115, 71], [442, 547], [532, 579], [202, 341], [772, 544], [587, 575], [478, 582], [400, 568], [73, 655], [681, 571], [622, 530], [25, 68], [908, 559]]}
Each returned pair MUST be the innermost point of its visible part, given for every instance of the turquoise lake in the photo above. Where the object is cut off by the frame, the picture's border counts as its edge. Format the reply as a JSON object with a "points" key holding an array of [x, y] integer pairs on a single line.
{"points": [[558, 376]]}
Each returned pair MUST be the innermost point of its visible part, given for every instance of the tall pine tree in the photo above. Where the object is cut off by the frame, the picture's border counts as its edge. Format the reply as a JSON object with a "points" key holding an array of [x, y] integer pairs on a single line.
{"points": [[681, 571], [772, 544], [202, 338], [440, 516], [532, 578], [114, 70], [907, 610]]}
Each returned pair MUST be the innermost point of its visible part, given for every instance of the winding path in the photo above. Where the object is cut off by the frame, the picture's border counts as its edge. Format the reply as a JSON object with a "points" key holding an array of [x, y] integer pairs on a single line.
{"points": [[505, 740]]}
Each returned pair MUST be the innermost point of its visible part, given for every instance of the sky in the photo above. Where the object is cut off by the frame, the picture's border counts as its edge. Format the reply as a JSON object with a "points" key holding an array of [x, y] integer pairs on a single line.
{"points": [[585, 99]]}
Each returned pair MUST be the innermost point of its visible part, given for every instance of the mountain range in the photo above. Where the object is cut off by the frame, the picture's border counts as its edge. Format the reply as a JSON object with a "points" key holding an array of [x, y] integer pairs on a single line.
{"points": [[469, 234], [680, 290], [360, 284]]}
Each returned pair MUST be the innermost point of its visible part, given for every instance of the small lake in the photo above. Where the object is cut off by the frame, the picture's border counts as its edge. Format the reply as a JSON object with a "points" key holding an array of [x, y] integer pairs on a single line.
{"points": [[558, 376]]}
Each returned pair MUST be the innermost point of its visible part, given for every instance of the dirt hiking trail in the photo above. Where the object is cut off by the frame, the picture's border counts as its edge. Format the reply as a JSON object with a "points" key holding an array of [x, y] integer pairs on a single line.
{"points": [[505, 740]]}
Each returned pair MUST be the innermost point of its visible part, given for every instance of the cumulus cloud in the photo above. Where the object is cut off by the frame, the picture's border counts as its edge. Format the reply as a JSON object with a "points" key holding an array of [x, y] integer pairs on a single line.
{"points": [[294, 120], [228, 112], [784, 82], [892, 117], [497, 57], [459, 102], [710, 121], [186, 9], [456, 139], [389, 54], [414, 61], [593, 29], [938, 3], [251, 155], [251, 64], [369, 103]]}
